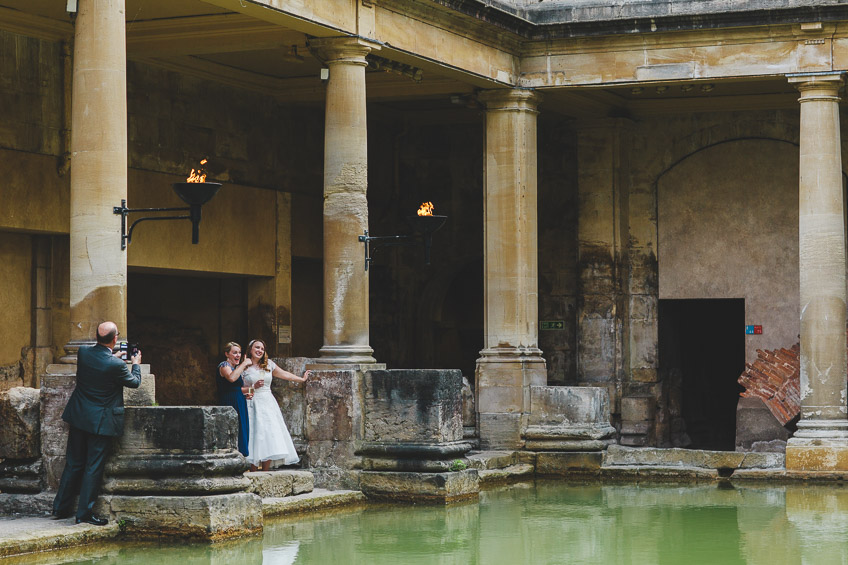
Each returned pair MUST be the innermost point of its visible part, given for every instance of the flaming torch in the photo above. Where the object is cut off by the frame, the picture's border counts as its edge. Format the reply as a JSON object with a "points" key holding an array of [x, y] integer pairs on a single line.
{"points": [[195, 192], [426, 209]]}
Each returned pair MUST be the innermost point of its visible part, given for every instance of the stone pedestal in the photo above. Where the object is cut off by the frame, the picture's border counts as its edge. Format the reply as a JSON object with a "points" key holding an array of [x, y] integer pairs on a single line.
{"points": [[821, 442], [175, 472], [333, 425], [569, 419], [413, 445]]}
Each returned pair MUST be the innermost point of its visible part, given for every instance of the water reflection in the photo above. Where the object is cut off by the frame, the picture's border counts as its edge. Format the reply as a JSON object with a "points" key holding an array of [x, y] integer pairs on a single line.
{"points": [[550, 523]]}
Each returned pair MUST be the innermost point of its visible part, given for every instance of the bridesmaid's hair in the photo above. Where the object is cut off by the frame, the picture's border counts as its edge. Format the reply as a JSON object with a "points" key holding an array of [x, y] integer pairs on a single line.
{"points": [[263, 363], [229, 346]]}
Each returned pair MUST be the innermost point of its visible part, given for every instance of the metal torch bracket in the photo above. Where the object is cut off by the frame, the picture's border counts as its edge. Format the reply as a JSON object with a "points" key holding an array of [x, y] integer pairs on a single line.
{"points": [[372, 242], [126, 236]]}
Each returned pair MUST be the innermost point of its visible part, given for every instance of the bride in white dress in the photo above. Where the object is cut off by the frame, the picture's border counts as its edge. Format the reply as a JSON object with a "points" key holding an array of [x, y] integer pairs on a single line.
{"points": [[269, 437]]}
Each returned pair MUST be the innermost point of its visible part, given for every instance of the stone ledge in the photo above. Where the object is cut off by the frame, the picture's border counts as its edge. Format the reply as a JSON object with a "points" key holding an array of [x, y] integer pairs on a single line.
{"points": [[439, 488], [489, 460], [658, 473], [617, 455], [33, 535], [318, 499], [513, 473]]}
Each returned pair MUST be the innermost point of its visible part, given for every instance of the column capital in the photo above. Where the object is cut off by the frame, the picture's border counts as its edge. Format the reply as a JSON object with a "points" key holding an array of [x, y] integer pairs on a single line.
{"points": [[511, 100], [817, 86], [346, 50]]}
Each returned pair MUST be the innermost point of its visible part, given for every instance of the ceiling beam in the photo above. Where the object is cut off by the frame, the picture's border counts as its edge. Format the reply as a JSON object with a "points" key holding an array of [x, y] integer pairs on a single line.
{"points": [[30, 25], [199, 35], [380, 86]]}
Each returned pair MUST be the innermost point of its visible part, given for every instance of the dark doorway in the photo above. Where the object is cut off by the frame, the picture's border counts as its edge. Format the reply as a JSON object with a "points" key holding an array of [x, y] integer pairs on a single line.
{"points": [[702, 354]]}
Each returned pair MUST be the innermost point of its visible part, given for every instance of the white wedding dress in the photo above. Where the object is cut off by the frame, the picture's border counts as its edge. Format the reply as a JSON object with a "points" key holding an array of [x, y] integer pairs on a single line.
{"points": [[269, 436]]}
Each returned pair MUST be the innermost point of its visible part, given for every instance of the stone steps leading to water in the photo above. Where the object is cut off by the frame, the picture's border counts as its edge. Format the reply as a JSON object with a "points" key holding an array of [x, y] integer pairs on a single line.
{"points": [[318, 499]]}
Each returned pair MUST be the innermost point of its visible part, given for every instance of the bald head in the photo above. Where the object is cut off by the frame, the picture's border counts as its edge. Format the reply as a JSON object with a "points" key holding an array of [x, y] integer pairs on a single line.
{"points": [[107, 332]]}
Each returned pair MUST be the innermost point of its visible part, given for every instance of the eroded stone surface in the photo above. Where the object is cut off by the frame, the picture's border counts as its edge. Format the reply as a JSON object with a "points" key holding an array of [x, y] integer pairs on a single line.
{"points": [[20, 434], [430, 487]]}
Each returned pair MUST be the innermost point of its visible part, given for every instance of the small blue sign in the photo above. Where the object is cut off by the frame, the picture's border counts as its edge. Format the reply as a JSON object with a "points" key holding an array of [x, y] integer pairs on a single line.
{"points": [[749, 330]]}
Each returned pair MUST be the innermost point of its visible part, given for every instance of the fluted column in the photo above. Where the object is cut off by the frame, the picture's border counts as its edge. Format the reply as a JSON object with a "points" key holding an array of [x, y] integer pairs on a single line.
{"points": [[511, 361], [821, 442], [98, 268], [346, 337]]}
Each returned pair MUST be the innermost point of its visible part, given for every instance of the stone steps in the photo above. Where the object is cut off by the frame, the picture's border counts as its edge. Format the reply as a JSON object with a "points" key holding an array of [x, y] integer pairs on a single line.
{"points": [[318, 499], [280, 484]]}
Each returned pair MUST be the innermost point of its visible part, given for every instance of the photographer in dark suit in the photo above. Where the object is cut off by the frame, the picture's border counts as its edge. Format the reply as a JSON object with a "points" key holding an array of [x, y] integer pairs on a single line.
{"points": [[95, 412]]}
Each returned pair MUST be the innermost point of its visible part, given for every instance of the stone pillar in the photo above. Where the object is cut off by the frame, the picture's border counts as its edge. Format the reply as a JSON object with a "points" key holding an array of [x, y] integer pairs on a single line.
{"points": [[345, 204], [511, 361], [603, 218], [821, 442], [98, 170]]}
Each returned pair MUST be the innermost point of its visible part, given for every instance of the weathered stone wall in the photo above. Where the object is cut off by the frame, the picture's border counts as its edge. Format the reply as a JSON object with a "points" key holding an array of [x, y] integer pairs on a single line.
{"points": [[15, 304]]}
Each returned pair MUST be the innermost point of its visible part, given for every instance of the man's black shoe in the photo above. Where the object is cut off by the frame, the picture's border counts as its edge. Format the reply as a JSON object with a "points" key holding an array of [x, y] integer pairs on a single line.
{"points": [[93, 520], [63, 515]]}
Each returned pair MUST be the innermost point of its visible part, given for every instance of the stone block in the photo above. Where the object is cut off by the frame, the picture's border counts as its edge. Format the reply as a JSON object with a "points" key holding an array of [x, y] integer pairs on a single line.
{"points": [[169, 429], [278, 484], [558, 405], [333, 406], [56, 388], [212, 518], [270, 484], [568, 463], [330, 453], [500, 399], [20, 476], [755, 424], [145, 394], [638, 408], [420, 487], [292, 396], [501, 431], [413, 406], [818, 455], [636, 428], [469, 412], [20, 434]]}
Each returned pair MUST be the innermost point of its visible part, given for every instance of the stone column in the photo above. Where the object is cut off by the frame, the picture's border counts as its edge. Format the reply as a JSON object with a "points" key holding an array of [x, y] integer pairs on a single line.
{"points": [[511, 361], [98, 170], [821, 442], [346, 338]]}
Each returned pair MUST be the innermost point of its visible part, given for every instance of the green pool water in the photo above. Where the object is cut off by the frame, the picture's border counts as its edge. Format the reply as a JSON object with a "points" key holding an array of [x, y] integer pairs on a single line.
{"points": [[548, 524]]}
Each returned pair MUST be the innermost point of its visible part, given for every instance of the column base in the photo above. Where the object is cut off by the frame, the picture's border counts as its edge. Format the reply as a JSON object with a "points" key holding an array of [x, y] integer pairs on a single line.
{"points": [[503, 380], [346, 355], [818, 445]]}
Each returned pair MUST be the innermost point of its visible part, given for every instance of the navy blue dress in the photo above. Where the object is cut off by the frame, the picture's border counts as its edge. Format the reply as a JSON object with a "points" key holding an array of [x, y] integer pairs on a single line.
{"points": [[229, 394]]}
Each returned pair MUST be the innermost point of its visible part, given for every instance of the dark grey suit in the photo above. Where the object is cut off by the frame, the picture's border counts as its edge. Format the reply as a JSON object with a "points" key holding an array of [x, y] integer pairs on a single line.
{"points": [[95, 412]]}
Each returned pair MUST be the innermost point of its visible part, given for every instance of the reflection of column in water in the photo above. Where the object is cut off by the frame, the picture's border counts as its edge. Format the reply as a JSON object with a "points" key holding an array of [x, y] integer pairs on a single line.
{"points": [[820, 515], [768, 537]]}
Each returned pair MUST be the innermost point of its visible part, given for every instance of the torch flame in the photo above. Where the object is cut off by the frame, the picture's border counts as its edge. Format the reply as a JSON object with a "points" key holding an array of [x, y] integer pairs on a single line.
{"points": [[199, 175], [426, 209]]}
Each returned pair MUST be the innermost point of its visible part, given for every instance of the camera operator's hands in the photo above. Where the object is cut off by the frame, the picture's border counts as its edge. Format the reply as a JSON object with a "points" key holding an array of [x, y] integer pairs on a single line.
{"points": [[136, 359]]}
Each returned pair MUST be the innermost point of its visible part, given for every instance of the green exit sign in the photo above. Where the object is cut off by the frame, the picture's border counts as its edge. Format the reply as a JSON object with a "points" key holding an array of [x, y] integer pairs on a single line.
{"points": [[552, 325]]}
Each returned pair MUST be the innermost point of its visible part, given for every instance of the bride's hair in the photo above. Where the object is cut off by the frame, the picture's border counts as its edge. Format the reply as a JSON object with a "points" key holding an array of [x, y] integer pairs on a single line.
{"points": [[263, 363]]}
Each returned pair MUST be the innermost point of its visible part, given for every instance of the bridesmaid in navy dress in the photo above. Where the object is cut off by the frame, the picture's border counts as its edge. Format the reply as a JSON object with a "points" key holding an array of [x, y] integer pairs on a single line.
{"points": [[232, 391]]}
